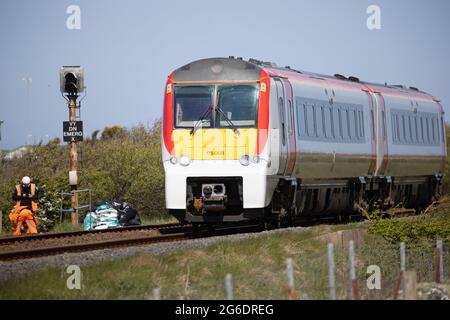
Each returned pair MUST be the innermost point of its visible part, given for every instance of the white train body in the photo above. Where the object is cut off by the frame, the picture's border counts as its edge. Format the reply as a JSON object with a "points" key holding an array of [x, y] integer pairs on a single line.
{"points": [[280, 143]]}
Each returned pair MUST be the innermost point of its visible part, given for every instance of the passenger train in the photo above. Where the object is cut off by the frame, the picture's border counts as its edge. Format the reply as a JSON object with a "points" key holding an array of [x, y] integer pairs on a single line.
{"points": [[248, 140]]}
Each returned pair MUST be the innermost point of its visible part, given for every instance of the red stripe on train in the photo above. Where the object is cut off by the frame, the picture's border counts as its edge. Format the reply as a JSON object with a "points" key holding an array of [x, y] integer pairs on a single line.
{"points": [[263, 112], [168, 115]]}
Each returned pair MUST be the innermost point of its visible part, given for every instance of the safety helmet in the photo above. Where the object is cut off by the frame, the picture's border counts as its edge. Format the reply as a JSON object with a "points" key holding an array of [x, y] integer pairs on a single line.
{"points": [[26, 181]]}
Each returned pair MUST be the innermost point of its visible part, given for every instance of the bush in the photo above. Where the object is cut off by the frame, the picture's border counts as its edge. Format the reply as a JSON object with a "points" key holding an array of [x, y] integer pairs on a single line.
{"points": [[125, 164], [426, 226]]}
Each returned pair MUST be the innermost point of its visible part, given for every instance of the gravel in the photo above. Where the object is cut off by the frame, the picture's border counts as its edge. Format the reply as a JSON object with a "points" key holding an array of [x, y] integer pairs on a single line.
{"points": [[21, 268]]}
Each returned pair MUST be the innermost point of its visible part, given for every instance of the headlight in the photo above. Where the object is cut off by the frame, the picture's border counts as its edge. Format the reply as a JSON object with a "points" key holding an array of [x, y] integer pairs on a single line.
{"points": [[173, 160], [245, 160], [184, 160], [256, 159]]}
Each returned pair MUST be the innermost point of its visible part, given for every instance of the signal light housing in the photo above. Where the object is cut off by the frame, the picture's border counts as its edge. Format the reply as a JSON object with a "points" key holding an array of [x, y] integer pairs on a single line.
{"points": [[71, 79]]}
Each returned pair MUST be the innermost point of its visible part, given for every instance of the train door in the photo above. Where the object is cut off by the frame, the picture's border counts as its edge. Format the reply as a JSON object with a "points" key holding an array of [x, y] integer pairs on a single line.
{"points": [[283, 126], [289, 105]]}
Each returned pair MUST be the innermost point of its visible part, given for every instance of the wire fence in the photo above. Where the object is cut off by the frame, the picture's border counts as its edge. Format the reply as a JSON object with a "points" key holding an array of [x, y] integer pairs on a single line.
{"points": [[345, 271]]}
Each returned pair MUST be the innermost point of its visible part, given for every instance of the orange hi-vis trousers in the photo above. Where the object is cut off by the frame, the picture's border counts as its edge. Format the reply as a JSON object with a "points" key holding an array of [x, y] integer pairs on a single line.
{"points": [[21, 216]]}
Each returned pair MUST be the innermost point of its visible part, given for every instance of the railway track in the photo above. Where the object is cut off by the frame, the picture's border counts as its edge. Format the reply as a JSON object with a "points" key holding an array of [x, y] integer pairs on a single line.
{"points": [[28, 246], [22, 247]]}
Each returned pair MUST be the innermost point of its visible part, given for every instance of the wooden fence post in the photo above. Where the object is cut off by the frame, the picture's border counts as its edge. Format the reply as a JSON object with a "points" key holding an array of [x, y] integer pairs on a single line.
{"points": [[331, 274], [156, 294], [229, 286], [354, 292], [439, 262], [290, 280], [410, 285]]}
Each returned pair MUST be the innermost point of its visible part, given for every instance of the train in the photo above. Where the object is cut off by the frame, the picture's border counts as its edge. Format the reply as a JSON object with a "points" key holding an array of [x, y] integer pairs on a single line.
{"points": [[248, 140]]}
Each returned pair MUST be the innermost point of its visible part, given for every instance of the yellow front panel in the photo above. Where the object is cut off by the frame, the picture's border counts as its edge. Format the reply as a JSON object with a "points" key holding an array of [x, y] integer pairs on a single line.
{"points": [[214, 144]]}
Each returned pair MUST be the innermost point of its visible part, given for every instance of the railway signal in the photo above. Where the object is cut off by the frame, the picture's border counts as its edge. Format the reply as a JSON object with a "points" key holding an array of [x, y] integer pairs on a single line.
{"points": [[71, 85]]}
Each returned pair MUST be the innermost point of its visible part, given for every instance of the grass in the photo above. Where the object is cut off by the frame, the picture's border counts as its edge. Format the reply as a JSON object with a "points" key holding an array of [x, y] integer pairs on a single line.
{"points": [[257, 265]]}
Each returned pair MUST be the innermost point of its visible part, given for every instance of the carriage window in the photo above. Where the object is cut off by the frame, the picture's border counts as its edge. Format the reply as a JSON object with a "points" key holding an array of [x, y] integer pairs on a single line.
{"points": [[328, 123], [341, 124], [416, 130], [433, 130], [319, 124], [190, 103], [239, 103], [427, 120], [361, 123], [407, 129], [336, 123], [394, 127], [373, 124]]}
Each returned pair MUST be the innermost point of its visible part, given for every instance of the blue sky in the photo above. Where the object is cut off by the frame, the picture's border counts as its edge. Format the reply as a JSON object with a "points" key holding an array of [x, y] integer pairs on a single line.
{"points": [[128, 48]]}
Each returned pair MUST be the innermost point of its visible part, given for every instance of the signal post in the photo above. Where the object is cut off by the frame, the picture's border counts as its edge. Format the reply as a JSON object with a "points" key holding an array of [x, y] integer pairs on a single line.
{"points": [[71, 84]]}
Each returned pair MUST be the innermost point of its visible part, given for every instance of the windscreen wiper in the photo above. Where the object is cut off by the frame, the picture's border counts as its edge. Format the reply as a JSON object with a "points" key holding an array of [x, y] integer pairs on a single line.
{"points": [[200, 120], [235, 129]]}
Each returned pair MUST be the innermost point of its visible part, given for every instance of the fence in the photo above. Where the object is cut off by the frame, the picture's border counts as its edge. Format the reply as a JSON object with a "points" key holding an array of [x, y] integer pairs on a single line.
{"points": [[347, 271], [80, 207]]}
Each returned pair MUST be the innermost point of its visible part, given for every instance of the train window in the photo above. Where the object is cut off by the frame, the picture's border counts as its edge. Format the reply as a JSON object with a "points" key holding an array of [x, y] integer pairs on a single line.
{"points": [[318, 121], [301, 114], [345, 124], [408, 132], [314, 122], [433, 130], [383, 124], [411, 136], [403, 129], [372, 116], [322, 110], [328, 123], [282, 120], [394, 127], [310, 120], [361, 124], [341, 124], [421, 129], [239, 104], [416, 131], [305, 112], [190, 103], [352, 124], [336, 122], [397, 125]]}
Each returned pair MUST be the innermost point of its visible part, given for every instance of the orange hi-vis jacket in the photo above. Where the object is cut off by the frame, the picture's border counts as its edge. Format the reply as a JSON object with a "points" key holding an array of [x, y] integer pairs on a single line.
{"points": [[25, 201]]}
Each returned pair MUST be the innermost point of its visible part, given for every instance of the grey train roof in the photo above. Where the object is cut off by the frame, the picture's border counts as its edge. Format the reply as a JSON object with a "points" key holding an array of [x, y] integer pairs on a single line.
{"points": [[217, 69]]}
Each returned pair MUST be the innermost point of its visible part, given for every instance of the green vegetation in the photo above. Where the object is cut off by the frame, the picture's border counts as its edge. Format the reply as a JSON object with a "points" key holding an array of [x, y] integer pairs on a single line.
{"points": [[123, 164], [130, 168], [258, 267]]}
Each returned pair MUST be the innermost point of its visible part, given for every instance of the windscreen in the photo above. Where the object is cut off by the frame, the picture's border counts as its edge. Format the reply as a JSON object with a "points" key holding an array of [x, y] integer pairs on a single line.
{"points": [[191, 102], [235, 105], [239, 105]]}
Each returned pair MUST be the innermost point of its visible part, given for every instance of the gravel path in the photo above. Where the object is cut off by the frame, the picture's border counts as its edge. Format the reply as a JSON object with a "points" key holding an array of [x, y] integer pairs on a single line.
{"points": [[16, 269]]}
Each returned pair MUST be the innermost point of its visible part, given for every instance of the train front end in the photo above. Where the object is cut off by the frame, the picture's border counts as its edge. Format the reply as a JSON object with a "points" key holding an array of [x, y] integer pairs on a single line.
{"points": [[214, 141]]}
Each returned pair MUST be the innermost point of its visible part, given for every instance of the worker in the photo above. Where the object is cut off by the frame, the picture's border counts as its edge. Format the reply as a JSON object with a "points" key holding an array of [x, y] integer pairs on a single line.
{"points": [[23, 213]]}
